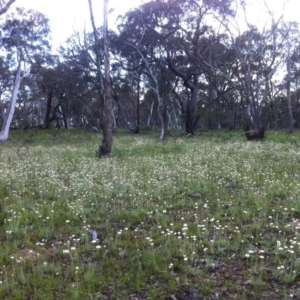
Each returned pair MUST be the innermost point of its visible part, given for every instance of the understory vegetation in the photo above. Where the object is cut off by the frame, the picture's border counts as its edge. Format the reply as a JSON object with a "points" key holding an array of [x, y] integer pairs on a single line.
{"points": [[211, 213]]}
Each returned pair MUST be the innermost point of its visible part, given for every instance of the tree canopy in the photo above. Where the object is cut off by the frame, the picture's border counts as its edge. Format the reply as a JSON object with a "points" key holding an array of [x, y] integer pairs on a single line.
{"points": [[180, 64]]}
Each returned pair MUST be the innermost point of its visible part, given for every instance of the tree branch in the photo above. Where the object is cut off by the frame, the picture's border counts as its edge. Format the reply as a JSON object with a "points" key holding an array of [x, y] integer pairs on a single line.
{"points": [[4, 9]]}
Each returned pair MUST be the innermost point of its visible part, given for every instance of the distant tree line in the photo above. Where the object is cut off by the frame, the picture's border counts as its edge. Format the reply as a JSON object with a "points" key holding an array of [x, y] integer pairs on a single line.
{"points": [[183, 64]]}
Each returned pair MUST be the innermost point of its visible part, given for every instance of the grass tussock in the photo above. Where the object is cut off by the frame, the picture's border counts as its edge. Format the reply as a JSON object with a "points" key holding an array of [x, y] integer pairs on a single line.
{"points": [[213, 215]]}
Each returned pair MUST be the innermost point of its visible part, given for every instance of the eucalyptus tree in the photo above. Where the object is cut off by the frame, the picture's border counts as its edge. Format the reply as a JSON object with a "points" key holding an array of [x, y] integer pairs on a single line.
{"points": [[168, 34], [290, 31], [292, 79], [259, 56], [104, 83], [214, 89], [127, 70], [191, 51], [80, 58], [6, 82], [65, 91], [24, 42], [140, 38]]}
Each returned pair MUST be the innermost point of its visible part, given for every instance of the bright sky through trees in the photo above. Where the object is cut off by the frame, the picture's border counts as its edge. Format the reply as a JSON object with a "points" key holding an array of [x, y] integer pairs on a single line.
{"points": [[69, 15]]}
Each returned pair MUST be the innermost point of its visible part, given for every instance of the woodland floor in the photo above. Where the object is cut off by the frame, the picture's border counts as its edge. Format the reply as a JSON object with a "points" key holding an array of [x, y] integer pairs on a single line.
{"points": [[207, 217]]}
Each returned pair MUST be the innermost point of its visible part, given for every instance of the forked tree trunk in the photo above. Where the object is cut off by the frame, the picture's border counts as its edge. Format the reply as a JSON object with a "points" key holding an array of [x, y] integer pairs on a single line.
{"points": [[191, 105], [12, 105]]}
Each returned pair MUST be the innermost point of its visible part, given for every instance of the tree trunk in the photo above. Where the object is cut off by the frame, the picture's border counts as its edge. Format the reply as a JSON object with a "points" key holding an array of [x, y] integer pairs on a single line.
{"points": [[290, 112], [66, 125], [191, 107], [253, 131], [107, 107], [150, 114], [1, 112], [137, 127], [107, 140], [63, 116], [162, 120], [104, 87], [47, 120], [255, 135], [288, 91], [11, 108], [120, 112]]}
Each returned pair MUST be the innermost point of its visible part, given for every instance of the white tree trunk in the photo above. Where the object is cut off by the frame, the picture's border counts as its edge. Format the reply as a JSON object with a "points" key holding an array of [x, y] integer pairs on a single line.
{"points": [[288, 89], [11, 108], [150, 114], [1, 110]]}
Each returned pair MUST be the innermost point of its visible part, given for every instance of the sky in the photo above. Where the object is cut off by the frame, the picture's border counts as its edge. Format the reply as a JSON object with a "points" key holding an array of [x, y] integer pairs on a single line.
{"points": [[67, 16]]}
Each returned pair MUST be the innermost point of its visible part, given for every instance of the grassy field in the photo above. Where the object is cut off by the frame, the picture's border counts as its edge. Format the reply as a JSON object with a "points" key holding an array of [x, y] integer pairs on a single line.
{"points": [[208, 217]]}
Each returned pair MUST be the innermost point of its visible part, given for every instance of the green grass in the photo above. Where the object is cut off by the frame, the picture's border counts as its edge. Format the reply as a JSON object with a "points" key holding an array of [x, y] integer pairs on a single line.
{"points": [[214, 213]]}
